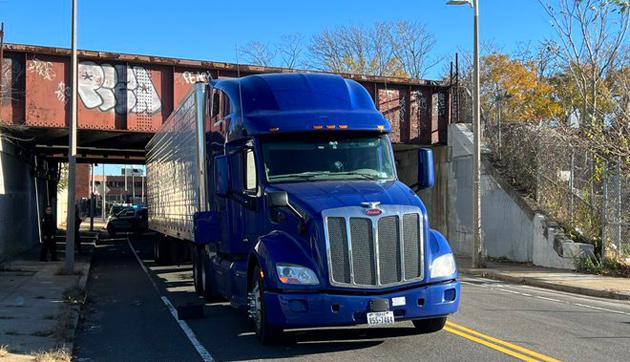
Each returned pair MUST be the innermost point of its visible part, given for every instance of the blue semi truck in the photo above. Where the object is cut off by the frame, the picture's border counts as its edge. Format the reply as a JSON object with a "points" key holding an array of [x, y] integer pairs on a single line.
{"points": [[284, 187]]}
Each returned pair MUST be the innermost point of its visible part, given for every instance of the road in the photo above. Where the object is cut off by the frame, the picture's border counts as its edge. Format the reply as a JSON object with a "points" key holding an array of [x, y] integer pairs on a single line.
{"points": [[127, 319]]}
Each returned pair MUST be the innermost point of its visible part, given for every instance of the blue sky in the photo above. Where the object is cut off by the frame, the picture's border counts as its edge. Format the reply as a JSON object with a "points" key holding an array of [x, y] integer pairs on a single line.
{"points": [[212, 30]]}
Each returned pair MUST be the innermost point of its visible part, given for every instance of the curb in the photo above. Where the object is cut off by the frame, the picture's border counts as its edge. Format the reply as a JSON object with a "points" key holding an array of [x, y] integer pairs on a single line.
{"points": [[547, 285], [81, 284]]}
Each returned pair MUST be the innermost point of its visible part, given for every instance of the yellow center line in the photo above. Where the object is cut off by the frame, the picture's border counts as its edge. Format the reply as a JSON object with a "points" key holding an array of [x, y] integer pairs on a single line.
{"points": [[497, 344]]}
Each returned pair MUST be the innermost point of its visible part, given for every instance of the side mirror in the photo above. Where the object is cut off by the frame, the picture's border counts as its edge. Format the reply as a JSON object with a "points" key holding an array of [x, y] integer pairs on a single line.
{"points": [[426, 174], [278, 199], [221, 175], [281, 199]]}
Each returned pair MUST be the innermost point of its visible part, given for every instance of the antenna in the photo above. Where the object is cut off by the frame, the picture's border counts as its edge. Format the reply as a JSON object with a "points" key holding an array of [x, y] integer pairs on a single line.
{"points": [[238, 74]]}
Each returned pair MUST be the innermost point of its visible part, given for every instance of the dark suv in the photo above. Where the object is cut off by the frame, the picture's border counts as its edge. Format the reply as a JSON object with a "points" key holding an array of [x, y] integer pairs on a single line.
{"points": [[129, 219]]}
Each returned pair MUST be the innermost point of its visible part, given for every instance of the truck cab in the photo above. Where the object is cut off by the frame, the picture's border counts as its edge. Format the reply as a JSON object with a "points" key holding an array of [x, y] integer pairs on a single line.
{"points": [[304, 221]]}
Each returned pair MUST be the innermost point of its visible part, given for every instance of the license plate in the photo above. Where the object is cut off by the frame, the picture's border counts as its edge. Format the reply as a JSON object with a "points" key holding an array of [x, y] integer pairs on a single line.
{"points": [[380, 318]]}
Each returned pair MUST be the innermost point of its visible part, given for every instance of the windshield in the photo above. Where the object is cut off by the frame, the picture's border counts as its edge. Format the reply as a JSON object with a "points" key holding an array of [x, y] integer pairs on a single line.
{"points": [[328, 157]]}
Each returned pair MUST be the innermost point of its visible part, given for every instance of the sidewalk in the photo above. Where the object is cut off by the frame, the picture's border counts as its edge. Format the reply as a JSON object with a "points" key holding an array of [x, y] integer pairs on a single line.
{"points": [[562, 280], [39, 307]]}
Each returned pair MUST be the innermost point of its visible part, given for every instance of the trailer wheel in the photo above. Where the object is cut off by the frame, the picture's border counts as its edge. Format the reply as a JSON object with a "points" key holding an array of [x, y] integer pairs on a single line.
{"points": [[111, 231], [196, 257], [429, 325], [162, 251], [266, 333]]}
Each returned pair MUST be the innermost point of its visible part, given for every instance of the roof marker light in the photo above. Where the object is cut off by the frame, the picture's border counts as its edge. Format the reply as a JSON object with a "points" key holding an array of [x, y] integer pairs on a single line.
{"points": [[275, 129], [318, 126], [331, 126], [381, 127], [343, 126]]}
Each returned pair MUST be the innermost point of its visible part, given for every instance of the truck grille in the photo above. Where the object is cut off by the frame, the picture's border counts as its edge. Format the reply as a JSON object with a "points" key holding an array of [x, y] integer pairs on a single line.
{"points": [[374, 251]]}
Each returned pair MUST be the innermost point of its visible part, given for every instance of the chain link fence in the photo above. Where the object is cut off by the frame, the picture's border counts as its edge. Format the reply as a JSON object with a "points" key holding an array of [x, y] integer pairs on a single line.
{"points": [[587, 194]]}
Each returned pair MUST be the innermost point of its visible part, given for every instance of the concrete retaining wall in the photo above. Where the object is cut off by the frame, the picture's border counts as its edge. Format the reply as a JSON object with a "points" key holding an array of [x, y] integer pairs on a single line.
{"points": [[436, 198], [511, 228], [18, 215]]}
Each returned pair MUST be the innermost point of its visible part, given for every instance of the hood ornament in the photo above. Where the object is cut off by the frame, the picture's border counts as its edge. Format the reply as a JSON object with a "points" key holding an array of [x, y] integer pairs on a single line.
{"points": [[372, 208]]}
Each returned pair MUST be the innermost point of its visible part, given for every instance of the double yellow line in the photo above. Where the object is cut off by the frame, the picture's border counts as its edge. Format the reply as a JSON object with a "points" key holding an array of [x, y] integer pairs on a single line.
{"points": [[510, 349]]}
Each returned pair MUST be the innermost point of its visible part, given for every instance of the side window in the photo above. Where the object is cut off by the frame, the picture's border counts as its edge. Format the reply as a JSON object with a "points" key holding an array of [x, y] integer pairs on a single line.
{"points": [[249, 170]]}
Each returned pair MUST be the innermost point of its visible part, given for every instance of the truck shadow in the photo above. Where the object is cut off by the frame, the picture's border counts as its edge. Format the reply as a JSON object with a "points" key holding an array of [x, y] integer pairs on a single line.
{"points": [[228, 334]]}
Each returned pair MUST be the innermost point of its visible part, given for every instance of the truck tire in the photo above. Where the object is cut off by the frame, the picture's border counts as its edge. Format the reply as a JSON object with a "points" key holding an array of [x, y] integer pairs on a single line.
{"points": [[196, 268], [111, 231], [161, 251], [429, 325], [208, 289], [266, 333]]}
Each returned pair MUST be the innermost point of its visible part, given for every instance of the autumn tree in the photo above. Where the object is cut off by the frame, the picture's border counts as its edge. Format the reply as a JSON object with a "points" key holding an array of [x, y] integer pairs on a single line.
{"points": [[524, 96]]}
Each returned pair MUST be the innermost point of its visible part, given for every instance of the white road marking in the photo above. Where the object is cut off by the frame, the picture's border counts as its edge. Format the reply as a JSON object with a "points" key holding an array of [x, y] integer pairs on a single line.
{"points": [[203, 352], [492, 284]]}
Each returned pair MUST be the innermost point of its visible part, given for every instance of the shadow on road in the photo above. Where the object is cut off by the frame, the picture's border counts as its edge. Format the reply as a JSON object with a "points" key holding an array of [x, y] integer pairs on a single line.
{"points": [[229, 334]]}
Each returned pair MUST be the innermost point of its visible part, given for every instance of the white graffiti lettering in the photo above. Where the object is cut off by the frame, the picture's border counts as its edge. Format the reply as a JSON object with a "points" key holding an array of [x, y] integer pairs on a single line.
{"points": [[120, 87], [194, 77], [62, 92], [43, 69]]}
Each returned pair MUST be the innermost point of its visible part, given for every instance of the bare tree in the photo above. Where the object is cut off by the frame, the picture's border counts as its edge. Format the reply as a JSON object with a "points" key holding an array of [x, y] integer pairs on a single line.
{"points": [[258, 53], [590, 36], [412, 44], [387, 49], [291, 49]]}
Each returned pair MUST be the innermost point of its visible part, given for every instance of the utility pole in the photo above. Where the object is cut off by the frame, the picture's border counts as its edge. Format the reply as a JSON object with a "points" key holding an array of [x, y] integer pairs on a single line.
{"points": [[478, 251], [72, 155], [126, 192], [133, 184], [104, 196], [1, 64], [92, 173]]}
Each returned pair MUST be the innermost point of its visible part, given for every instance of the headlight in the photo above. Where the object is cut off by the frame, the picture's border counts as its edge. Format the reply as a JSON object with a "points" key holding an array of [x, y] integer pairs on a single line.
{"points": [[296, 274], [443, 266]]}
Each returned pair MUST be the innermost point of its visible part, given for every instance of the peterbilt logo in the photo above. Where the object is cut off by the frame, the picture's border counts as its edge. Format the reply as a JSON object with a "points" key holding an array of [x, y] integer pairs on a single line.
{"points": [[372, 208]]}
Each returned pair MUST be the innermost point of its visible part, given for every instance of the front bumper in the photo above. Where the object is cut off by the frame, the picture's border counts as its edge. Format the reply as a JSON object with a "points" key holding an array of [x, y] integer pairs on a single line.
{"points": [[292, 310]]}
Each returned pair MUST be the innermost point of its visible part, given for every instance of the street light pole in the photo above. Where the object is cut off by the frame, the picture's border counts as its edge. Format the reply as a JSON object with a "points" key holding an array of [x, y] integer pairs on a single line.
{"points": [[72, 155], [478, 254]]}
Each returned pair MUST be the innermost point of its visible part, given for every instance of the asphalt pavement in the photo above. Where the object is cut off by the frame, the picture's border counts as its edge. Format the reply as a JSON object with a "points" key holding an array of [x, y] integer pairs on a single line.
{"points": [[128, 318]]}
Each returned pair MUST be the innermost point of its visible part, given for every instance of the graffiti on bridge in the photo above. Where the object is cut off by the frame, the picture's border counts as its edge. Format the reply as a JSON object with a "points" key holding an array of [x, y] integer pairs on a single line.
{"points": [[119, 87]]}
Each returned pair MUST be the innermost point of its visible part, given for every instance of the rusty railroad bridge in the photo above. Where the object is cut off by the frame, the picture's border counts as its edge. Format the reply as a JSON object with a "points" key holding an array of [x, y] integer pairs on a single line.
{"points": [[125, 98]]}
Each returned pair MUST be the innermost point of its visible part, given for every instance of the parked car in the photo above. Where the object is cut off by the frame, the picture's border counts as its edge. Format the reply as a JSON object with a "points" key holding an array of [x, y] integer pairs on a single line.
{"points": [[116, 208], [129, 219]]}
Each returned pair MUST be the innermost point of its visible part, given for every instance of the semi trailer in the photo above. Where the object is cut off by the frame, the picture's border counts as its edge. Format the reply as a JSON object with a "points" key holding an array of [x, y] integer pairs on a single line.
{"points": [[284, 188]]}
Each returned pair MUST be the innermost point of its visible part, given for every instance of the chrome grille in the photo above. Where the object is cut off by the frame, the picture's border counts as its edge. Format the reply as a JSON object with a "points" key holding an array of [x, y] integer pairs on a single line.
{"points": [[376, 251], [339, 249]]}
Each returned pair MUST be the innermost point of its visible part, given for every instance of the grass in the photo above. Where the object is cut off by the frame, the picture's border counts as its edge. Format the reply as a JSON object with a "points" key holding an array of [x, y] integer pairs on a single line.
{"points": [[57, 355], [4, 350], [606, 266]]}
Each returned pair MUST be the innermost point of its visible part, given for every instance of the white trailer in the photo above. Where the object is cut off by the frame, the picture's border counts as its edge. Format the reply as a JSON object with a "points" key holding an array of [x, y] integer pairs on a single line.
{"points": [[176, 168]]}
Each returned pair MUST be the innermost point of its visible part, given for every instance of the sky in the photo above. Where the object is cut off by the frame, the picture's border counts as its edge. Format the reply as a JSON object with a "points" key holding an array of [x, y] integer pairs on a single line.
{"points": [[213, 30]]}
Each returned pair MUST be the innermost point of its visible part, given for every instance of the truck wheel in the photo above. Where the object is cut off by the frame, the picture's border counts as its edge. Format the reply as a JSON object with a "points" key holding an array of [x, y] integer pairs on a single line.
{"points": [[196, 267], [161, 251], [429, 325], [266, 333], [209, 292]]}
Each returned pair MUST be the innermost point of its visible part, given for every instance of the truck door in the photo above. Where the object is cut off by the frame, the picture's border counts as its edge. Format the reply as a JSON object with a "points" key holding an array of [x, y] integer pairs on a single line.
{"points": [[245, 200]]}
